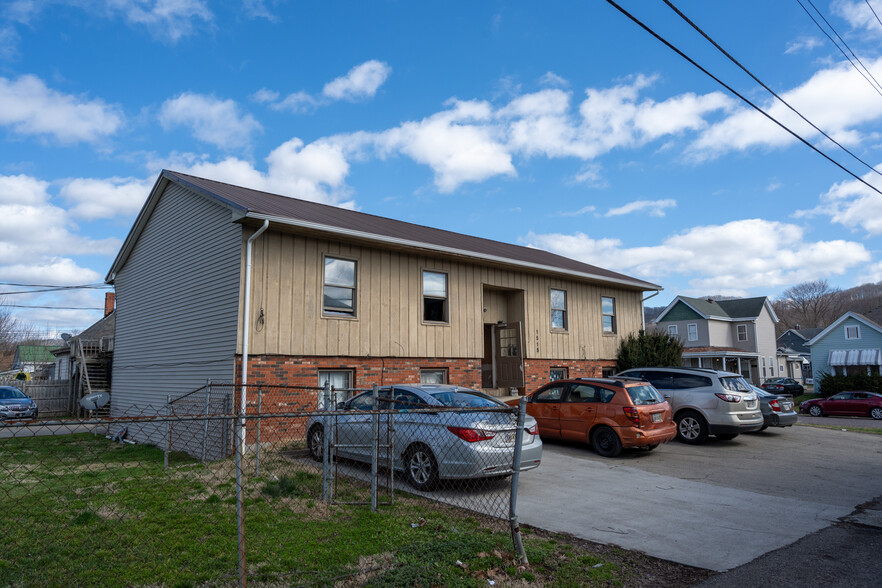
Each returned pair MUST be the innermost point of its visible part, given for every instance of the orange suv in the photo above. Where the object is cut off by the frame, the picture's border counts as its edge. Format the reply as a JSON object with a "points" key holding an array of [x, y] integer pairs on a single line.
{"points": [[607, 413]]}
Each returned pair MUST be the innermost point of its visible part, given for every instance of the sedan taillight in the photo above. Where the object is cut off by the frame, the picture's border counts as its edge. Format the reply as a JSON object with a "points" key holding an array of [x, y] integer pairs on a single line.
{"points": [[534, 430], [471, 435], [775, 406], [728, 397], [632, 414]]}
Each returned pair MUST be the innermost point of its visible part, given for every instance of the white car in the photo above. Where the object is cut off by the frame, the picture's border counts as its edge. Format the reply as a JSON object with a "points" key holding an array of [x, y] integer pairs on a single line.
{"points": [[705, 402]]}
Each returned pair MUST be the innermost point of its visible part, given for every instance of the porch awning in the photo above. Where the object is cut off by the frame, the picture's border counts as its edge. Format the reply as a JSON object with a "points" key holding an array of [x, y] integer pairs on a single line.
{"points": [[855, 357]]}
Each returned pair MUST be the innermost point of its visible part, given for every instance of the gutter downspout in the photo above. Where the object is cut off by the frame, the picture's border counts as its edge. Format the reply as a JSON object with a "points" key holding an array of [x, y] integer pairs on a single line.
{"points": [[643, 311], [246, 328]]}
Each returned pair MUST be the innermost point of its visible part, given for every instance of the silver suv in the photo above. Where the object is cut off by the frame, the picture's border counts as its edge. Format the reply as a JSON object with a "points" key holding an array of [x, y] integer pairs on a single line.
{"points": [[705, 402]]}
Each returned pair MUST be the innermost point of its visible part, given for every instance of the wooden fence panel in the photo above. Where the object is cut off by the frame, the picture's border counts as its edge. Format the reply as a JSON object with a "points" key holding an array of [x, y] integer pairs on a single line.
{"points": [[53, 397]]}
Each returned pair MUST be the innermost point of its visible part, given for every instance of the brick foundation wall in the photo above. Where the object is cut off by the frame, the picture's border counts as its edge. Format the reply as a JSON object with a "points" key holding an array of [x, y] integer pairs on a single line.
{"points": [[536, 371]]}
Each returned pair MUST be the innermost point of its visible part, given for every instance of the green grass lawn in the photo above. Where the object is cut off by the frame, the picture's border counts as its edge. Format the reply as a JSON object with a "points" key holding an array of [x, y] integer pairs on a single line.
{"points": [[80, 510]]}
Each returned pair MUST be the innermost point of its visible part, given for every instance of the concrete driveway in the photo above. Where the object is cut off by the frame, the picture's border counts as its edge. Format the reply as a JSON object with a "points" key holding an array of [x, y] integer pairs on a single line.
{"points": [[714, 506]]}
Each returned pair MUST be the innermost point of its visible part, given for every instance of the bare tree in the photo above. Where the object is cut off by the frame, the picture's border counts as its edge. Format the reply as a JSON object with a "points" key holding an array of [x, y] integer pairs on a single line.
{"points": [[807, 305]]}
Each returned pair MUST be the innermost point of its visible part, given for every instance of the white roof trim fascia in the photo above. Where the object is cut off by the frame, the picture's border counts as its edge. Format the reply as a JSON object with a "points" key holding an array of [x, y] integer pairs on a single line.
{"points": [[839, 321], [719, 353], [450, 250]]}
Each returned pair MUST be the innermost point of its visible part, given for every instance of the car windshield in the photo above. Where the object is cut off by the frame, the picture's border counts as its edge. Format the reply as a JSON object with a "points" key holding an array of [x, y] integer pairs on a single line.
{"points": [[641, 395], [9, 393], [735, 384], [466, 399]]}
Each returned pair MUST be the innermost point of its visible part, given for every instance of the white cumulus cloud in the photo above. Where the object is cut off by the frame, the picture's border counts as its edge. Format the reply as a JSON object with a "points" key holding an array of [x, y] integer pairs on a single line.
{"points": [[215, 121], [29, 107], [730, 259], [361, 82], [653, 207], [94, 198]]}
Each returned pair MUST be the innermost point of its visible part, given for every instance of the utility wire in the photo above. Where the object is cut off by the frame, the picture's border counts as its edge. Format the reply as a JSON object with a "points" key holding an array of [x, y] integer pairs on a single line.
{"points": [[857, 69], [58, 289], [53, 307], [639, 23], [96, 285], [869, 73], [772, 92], [873, 11]]}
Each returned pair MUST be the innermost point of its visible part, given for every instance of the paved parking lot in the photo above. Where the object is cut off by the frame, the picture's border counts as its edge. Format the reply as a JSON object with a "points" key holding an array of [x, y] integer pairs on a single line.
{"points": [[715, 506]]}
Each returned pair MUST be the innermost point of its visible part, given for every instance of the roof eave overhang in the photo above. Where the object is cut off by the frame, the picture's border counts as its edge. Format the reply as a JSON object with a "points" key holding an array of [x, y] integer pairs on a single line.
{"points": [[727, 353], [410, 244]]}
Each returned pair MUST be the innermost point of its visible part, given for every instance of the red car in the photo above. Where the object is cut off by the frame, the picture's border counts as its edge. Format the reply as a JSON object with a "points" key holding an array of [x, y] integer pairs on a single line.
{"points": [[845, 403]]}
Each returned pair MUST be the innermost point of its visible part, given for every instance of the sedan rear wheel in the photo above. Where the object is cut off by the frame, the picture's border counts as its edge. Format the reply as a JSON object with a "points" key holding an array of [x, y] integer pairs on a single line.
{"points": [[421, 468], [606, 443], [816, 410], [876, 413], [691, 428]]}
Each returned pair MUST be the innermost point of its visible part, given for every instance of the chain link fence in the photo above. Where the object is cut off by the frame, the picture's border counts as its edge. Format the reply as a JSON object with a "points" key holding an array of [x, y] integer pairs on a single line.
{"points": [[307, 486]]}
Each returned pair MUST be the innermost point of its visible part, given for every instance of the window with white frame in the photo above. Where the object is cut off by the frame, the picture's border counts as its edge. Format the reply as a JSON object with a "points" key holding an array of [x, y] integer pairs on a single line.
{"points": [[435, 297], [558, 309], [692, 331], [433, 376], [852, 332], [340, 380], [764, 366], [338, 296], [742, 332], [672, 331], [771, 366], [608, 312]]}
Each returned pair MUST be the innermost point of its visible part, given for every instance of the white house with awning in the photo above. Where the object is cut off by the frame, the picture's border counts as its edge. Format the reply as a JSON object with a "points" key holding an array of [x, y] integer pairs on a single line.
{"points": [[852, 344]]}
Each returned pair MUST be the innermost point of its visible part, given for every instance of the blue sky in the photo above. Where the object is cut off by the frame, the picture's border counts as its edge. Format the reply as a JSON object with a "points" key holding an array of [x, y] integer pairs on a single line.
{"points": [[562, 126]]}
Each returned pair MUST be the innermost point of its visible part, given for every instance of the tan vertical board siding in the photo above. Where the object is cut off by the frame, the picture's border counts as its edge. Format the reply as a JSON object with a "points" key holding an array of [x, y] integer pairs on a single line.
{"points": [[389, 306]]}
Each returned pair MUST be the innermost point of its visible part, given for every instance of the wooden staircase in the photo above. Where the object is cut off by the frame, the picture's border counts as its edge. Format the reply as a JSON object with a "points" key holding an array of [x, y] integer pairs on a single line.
{"points": [[92, 361]]}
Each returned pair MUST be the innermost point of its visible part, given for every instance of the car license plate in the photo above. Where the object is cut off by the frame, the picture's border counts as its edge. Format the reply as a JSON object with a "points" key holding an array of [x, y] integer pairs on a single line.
{"points": [[508, 437], [656, 417], [787, 406]]}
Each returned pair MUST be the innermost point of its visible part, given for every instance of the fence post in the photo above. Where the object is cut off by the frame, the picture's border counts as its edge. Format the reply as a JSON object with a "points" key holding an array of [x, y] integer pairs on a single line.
{"points": [[240, 505], [375, 447], [520, 554], [259, 420], [167, 431], [205, 413], [326, 443]]}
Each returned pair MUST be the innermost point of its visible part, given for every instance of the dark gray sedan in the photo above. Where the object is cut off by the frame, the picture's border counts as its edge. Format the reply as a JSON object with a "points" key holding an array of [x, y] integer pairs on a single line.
{"points": [[15, 404], [430, 446], [778, 409]]}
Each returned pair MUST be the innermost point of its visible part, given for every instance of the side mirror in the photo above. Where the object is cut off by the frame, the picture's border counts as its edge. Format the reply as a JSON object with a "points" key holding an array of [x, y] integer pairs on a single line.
{"points": [[341, 405]]}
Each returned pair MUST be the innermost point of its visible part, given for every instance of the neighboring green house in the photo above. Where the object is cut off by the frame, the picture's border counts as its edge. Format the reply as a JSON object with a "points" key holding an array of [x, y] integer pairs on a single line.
{"points": [[36, 360], [851, 345], [732, 335]]}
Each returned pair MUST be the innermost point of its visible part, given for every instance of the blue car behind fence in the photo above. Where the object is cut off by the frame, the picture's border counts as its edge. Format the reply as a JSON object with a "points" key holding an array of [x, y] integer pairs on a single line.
{"points": [[15, 404]]}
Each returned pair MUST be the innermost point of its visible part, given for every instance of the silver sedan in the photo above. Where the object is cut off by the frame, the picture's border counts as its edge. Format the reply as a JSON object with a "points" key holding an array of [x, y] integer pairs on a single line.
{"points": [[429, 446]]}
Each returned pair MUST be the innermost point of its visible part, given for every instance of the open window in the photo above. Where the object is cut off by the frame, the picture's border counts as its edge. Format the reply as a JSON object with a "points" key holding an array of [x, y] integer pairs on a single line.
{"points": [[435, 301]]}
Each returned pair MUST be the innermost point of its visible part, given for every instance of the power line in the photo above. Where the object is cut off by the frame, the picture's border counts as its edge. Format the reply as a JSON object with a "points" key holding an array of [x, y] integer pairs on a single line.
{"points": [[53, 307], [95, 285], [870, 6], [59, 289], [772, 92], [639, 23], [857, 69]]}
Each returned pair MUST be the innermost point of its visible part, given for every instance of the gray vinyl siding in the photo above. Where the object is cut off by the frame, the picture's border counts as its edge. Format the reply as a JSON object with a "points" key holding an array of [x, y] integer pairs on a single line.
{"points": [[177, 304]]}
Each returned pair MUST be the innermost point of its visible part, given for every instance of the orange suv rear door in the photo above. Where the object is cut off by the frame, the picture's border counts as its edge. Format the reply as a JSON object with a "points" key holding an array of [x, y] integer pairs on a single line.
{"points": [[578, 411]]}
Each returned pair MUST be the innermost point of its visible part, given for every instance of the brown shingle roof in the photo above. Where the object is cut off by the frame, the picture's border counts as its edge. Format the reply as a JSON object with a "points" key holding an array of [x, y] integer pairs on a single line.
{"points": [[257, 204]]}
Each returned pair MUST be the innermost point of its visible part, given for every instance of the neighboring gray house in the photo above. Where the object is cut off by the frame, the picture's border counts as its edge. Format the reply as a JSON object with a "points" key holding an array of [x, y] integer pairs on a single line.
{"points": [[794, 355], [733, 335], [852, 344]]}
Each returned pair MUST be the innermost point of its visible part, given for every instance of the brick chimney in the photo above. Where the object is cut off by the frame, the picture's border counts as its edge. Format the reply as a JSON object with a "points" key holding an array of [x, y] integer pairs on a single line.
{"points": [[109, 302]]}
